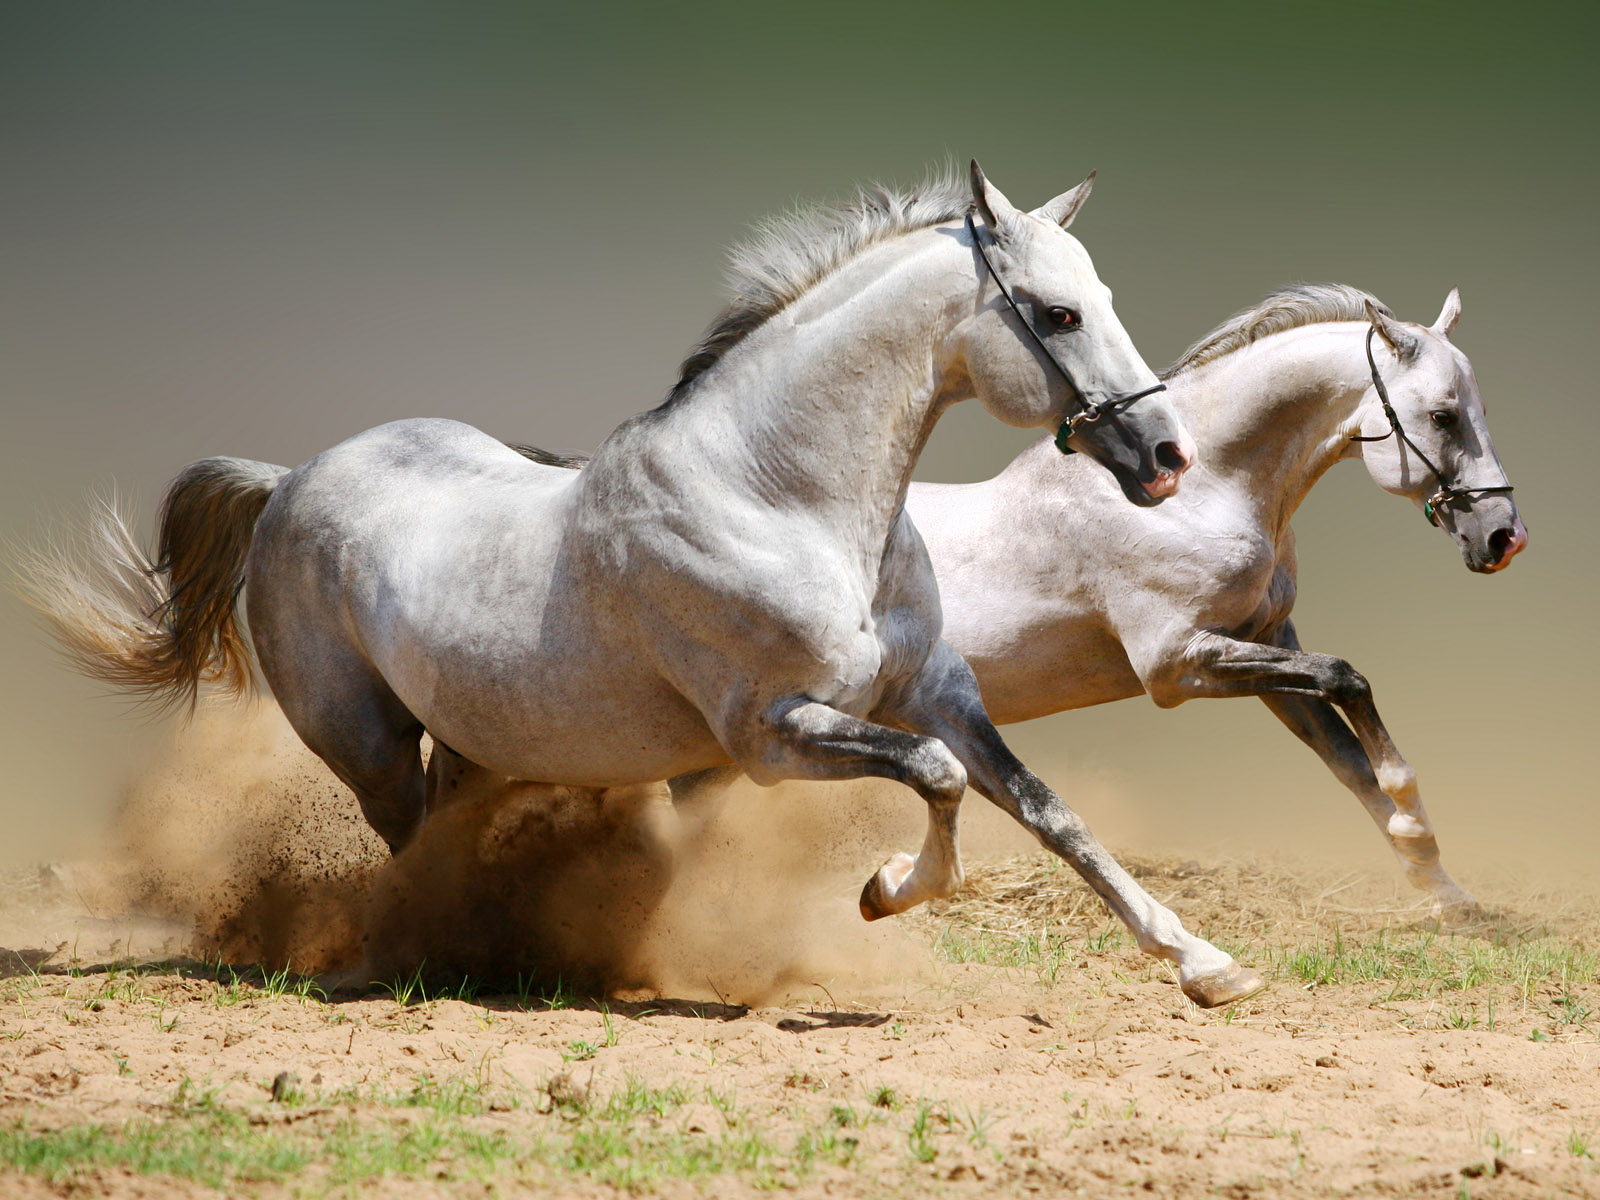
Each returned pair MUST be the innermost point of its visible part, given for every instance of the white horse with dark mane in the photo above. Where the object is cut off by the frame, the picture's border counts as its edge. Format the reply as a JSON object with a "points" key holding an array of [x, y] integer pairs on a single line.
{"points": [[733, 578]]}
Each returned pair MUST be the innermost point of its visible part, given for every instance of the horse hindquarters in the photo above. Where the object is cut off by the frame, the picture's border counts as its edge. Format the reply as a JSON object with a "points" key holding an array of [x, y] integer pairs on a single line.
{"points": [[334, 698]]}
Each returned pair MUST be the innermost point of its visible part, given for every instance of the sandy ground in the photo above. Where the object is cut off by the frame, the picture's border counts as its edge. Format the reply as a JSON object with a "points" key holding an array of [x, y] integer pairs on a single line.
{"points": [[1081, 1072], [1009, 1041]]}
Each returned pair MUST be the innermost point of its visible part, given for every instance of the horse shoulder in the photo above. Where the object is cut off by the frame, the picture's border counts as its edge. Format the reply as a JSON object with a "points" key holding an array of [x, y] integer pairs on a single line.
{"points": [[741, 592]]}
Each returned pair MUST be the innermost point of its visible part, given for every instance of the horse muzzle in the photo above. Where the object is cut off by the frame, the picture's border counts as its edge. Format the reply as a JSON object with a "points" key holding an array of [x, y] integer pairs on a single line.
{"points": [[1505, 544], [1172, 459]]}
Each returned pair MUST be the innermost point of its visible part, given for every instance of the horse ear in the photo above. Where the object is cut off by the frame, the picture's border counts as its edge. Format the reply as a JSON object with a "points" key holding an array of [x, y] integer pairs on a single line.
{"points": [[1401, 340], [1065, 207], [1449, 314], [993, 207]]}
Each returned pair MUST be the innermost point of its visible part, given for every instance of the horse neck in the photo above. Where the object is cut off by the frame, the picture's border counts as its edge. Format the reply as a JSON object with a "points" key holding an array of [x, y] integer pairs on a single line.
{"points": [[828, 405], [1275, 415]]}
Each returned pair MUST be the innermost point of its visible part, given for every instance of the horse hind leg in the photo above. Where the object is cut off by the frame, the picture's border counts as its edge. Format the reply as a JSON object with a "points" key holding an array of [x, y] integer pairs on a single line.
{"points": [[454, 779], [1316, 724], [373, 744], [383, 767], [699, 797], [330, 692]]}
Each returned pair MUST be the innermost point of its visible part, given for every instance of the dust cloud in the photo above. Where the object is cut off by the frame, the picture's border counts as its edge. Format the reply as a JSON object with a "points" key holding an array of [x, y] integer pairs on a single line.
{"points": [[243, 835]]}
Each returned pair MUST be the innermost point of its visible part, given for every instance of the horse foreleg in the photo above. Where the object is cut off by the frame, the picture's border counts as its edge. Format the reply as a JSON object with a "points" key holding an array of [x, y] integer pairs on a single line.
{"points": [[805, 739], [946, 703]]}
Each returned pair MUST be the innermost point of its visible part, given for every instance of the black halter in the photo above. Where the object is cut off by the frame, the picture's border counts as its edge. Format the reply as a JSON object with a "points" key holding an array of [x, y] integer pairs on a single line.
{"points": [[1090, 412], [1447, 491]]}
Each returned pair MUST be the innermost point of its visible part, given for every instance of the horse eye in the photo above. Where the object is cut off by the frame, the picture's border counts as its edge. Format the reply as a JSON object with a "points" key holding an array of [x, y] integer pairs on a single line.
{"points": [[1063, 318], [1443, 418]]}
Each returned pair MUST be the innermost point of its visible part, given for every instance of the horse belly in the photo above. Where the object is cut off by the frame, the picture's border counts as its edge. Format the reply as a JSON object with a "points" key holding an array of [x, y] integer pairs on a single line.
{"points": [[556, 694], [1075, 670], [634, 730]]}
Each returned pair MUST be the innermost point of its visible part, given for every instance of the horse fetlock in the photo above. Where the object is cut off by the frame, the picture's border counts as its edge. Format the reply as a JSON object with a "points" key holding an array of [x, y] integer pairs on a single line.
{"points": [[1399, 783], [1418, 853], [1412, 830]]}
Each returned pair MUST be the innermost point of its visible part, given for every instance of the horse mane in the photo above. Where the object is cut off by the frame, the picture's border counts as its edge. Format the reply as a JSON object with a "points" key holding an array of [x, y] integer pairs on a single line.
{"points": [[572, 460], [790, 254], [1287, 308]]}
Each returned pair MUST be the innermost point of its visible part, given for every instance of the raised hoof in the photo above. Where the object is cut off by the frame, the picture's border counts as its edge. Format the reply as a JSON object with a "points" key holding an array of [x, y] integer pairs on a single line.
{"points": [[874, 904], [1227, 986], [877, 900]]}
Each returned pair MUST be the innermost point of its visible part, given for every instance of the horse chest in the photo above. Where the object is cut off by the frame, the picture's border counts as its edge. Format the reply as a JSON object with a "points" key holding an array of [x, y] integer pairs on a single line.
{"points": [[1260, 601], [1226, 576]]}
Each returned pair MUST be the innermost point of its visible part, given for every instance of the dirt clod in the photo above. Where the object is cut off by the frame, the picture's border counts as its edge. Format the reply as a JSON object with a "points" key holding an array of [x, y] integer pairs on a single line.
{"points": [[285, 1087]]}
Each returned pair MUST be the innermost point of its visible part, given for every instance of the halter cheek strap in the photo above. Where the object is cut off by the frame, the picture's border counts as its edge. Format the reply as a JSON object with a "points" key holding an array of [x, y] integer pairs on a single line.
{"points": [[1089, 412], [1448, 491]]}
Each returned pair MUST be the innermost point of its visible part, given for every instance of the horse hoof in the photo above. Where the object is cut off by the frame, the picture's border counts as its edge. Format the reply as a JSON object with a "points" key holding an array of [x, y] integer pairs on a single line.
{"points": [[1227, 986], [1462, 914], [874, 904], [877, 898]]}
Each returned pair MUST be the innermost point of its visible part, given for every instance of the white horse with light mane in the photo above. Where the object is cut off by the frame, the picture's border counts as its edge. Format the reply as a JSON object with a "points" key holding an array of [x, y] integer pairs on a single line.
{"points": [[733, 578], [1059, 597]]}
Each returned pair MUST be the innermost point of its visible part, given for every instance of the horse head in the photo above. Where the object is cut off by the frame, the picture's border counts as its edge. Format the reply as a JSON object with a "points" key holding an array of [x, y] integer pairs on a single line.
{"points": [[1045, 347], [1436, 449]]}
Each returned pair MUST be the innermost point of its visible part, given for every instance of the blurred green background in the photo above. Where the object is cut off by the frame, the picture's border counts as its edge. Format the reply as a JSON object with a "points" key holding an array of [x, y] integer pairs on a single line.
{"points": [[254, 229]]}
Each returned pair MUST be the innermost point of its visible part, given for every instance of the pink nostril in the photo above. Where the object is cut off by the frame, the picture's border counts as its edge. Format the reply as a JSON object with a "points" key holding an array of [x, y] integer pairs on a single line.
{"points": [[1504, 544], [1170, 457]]}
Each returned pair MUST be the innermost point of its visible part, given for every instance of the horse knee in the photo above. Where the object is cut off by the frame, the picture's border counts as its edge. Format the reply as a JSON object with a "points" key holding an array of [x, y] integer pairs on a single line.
{"points": [[1172, 680]]}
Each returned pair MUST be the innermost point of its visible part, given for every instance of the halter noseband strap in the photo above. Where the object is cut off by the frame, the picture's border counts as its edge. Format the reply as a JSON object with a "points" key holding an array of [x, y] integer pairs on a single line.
{"points": [[1090, 412], [1447, 491]]}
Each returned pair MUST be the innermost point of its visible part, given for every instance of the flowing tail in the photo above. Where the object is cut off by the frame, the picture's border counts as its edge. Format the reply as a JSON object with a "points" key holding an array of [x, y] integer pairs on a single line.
{"points": [[159, 628]]}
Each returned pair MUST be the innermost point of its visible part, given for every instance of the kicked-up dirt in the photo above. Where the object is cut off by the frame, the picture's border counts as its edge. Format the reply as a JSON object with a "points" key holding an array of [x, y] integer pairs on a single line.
{"points": [[739, 1029]]}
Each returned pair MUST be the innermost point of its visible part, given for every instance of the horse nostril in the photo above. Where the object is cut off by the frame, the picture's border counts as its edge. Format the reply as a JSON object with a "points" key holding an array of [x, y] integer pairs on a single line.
{"points": [[1170, 458], [1500, 542]]}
